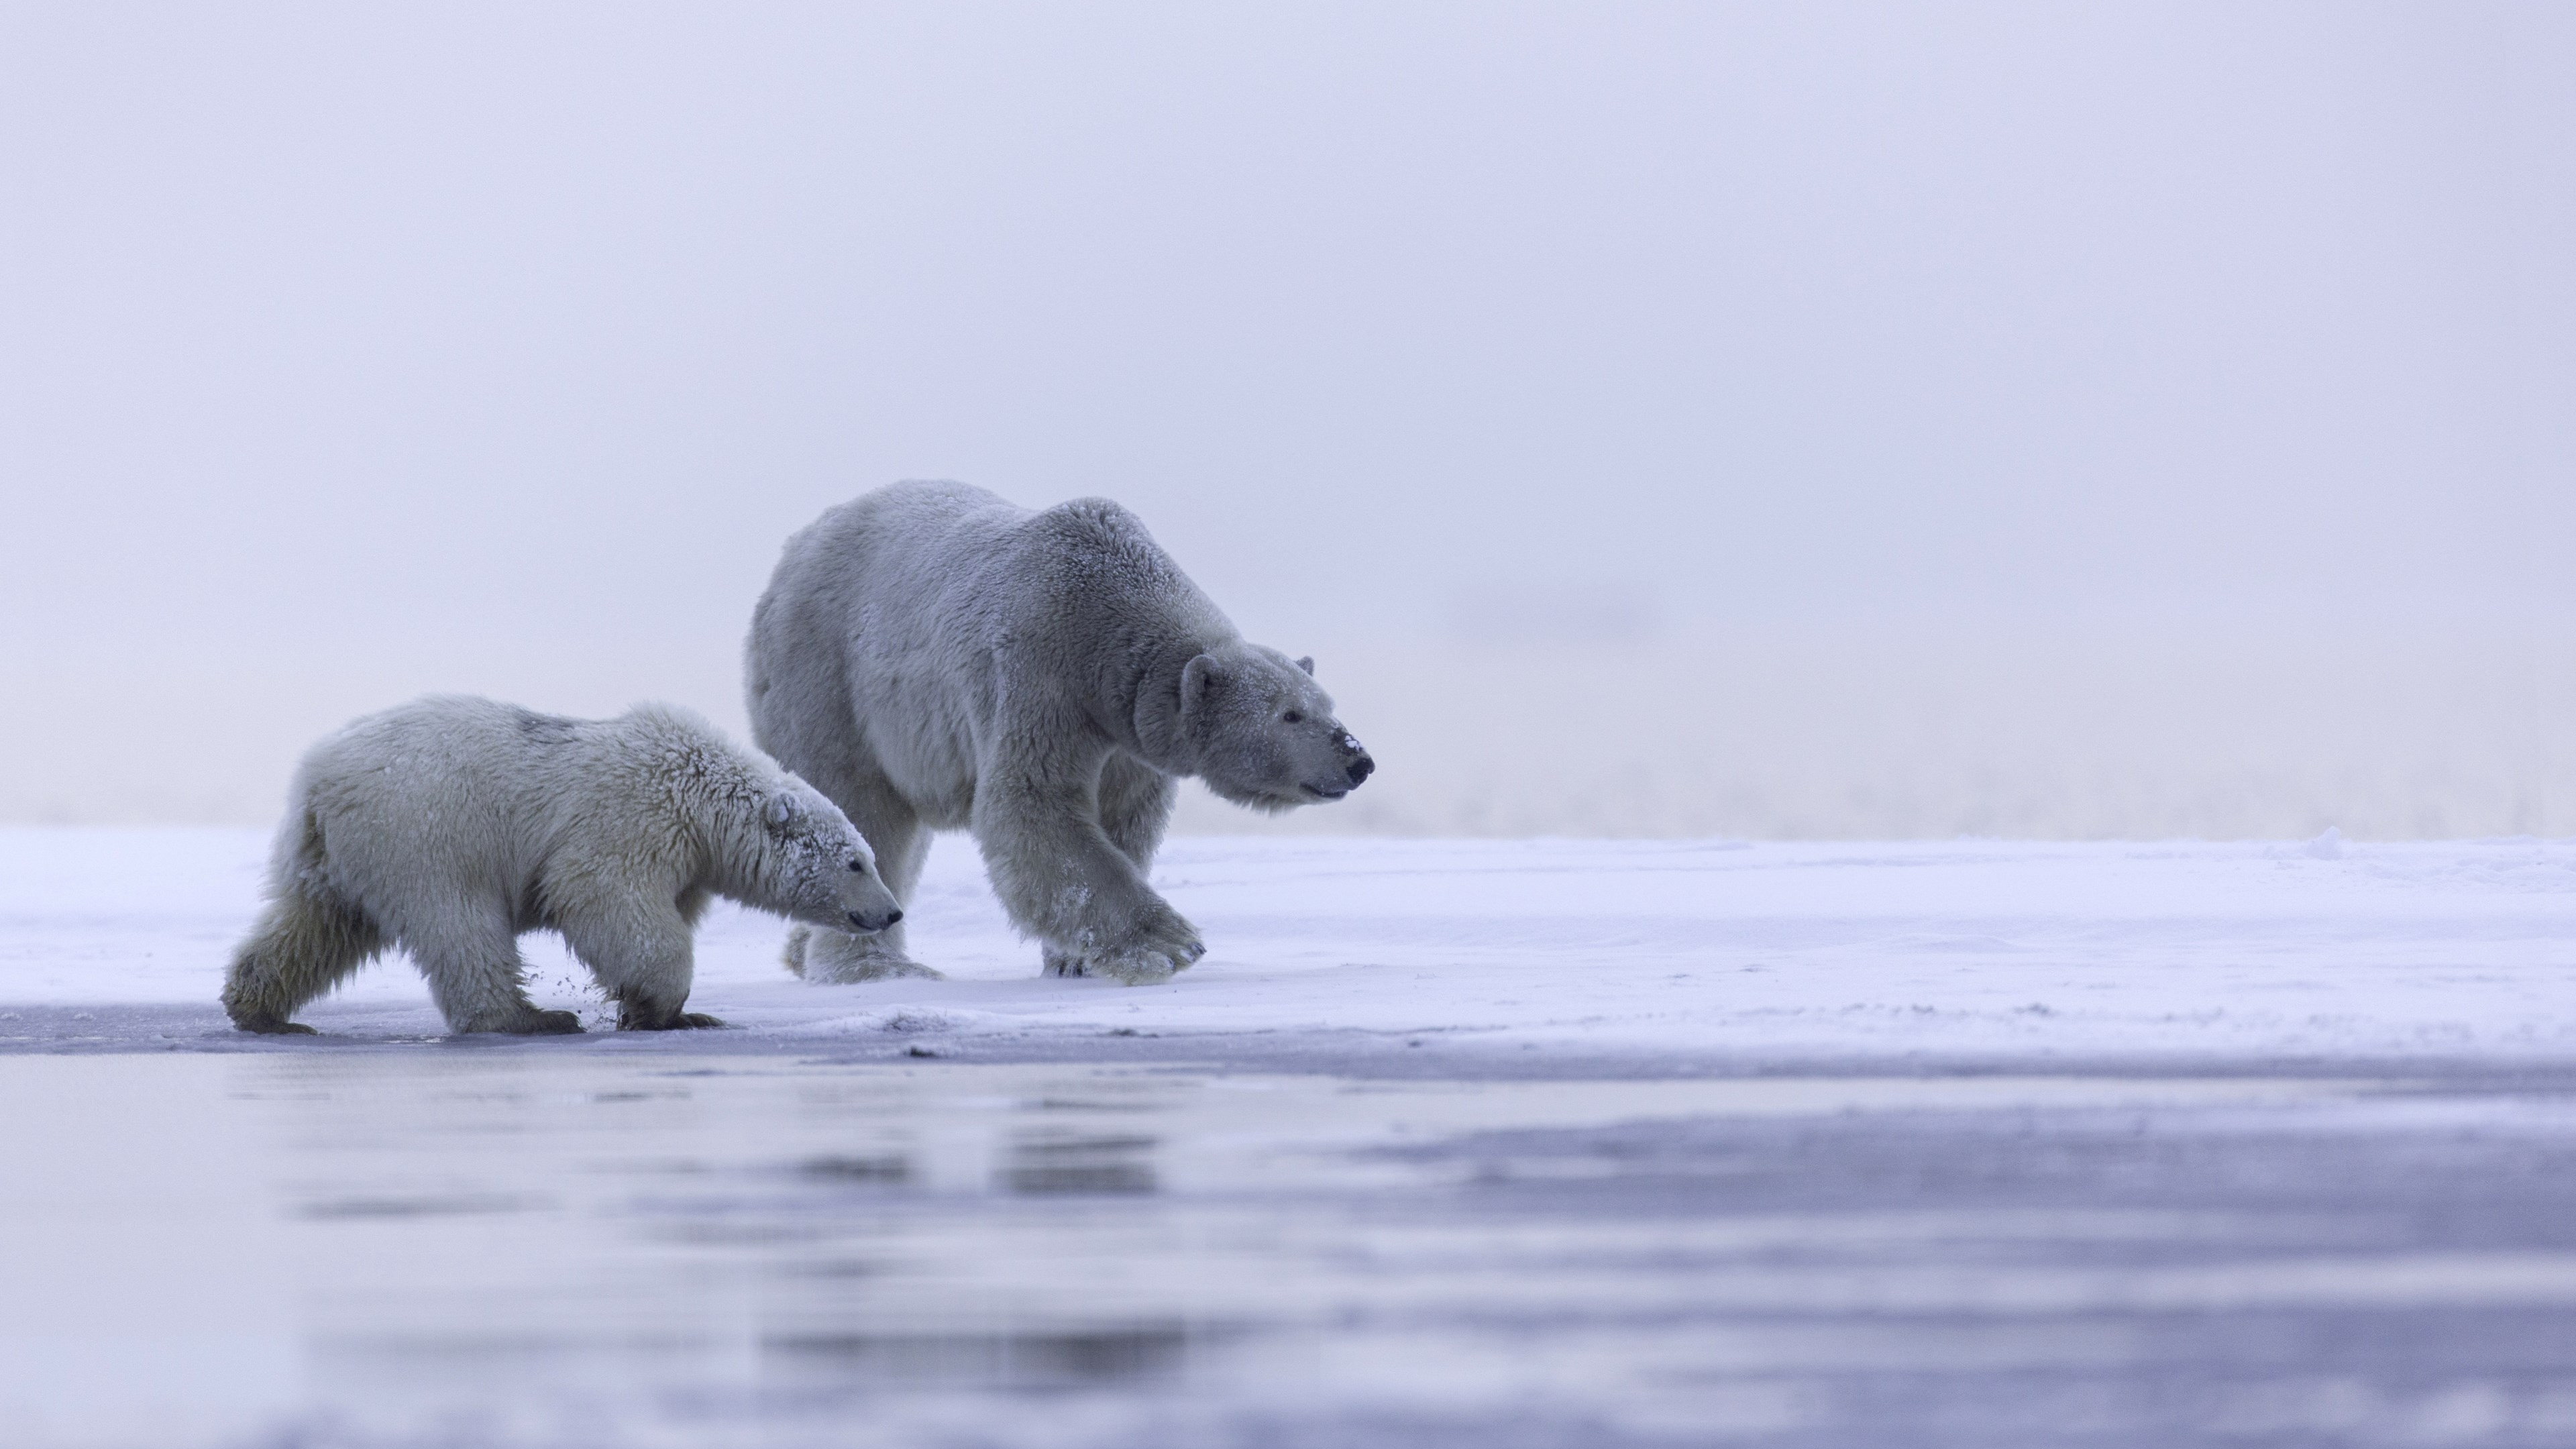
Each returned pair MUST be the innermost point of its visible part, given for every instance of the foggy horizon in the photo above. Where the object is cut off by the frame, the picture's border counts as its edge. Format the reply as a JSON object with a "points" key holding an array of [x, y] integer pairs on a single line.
{"points": [[2134, 420]]}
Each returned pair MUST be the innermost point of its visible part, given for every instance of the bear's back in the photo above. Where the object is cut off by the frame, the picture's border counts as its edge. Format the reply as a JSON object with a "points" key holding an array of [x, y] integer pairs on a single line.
{"points": [[501, 784], [910, 630]]}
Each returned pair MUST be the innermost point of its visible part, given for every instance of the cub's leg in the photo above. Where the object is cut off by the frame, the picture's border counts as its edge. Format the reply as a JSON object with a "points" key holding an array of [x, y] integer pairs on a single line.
{"points": [[642, 958], [477, 976], [304, 945], [895, 833]]}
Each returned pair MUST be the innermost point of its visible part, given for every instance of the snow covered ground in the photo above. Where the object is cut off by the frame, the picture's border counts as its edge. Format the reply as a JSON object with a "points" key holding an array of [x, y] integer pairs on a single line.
{"points": [[1670, 951], [1491, 1143]]}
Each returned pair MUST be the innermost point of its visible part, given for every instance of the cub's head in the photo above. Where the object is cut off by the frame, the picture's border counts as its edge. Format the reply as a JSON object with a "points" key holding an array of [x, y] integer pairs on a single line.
{"points": [[1263, 731], [819, 869]]}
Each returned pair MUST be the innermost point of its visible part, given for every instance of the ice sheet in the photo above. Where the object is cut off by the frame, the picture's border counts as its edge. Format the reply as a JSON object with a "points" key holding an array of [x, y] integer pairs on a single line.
{"points": [[1706, 949]]}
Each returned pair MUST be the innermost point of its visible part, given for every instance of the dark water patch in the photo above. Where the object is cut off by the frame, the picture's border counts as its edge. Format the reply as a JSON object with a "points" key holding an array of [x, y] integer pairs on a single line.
{"points": [[1100, 1179], [349, 1209], [726, 1232], [1109, 1165], [1068, 1356], [889, 1170]]}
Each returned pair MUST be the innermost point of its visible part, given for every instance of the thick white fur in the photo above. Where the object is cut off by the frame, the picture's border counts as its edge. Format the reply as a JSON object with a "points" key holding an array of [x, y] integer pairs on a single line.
{"points": [[934, 658], [451, 825]]}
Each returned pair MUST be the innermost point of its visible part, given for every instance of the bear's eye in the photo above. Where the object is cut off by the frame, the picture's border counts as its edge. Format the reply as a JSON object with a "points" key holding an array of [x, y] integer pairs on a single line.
{"points": [[858, 866], [1292, 717]]}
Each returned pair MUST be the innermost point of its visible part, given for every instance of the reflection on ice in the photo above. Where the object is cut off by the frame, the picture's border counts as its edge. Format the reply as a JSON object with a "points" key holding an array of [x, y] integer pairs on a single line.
{"points": [[790, 1254], [886, 1169], [1043, 1163], [1024, 1359], [419, 1207]]}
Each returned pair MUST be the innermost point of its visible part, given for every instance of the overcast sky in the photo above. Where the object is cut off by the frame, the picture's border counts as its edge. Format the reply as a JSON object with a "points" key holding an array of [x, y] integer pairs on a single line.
{"points": [[535, 328]]}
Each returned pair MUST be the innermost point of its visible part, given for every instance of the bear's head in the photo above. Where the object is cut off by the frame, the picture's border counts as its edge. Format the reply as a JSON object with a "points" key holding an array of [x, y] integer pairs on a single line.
{"points": [[818, 867], [1263, 732]]}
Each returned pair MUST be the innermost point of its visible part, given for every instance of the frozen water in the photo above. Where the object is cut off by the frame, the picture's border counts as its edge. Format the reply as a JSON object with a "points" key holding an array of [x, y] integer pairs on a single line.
{"points": [[514, 1247], [1551, 1143]]}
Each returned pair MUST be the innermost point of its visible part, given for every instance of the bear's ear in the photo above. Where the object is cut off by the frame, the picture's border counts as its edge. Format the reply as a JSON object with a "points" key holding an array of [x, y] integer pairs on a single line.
{"points": [[1195, 678], [1307, 664], [780, 810]]}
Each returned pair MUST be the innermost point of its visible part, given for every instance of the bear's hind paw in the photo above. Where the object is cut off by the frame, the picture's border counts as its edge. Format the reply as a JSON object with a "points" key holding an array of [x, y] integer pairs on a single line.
{"points": [[531, 1022], [633, 1020]]}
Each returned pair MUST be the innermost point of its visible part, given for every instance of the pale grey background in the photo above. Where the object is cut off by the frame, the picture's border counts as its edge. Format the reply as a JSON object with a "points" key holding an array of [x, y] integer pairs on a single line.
{"points": [[1856, 420]]}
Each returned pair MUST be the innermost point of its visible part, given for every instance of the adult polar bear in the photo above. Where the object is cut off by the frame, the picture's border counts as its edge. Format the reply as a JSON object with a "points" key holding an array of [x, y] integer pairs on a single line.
{"points": [[931, 657]]}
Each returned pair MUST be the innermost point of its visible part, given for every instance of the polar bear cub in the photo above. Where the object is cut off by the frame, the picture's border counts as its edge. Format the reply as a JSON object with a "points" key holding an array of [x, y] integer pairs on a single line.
{"points": [[452, 825]]}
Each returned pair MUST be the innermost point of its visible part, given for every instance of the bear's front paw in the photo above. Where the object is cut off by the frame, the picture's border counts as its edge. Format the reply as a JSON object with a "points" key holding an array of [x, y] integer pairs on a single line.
{"points": [[1138, 968], [1161, 949], [273, 1026]]}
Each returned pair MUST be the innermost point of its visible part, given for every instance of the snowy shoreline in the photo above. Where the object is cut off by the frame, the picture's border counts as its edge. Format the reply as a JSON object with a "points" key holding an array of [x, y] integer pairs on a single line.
{"points": [[1630, 956]]}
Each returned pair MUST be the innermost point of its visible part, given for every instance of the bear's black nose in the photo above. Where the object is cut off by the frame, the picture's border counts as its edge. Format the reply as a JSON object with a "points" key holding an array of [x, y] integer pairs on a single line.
{"points": [[1360, 769], [866, 924]]}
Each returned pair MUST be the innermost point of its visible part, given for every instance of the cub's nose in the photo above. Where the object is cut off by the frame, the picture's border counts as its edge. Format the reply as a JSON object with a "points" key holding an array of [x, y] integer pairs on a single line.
{"points": [[875, 923], [1359, 770]]}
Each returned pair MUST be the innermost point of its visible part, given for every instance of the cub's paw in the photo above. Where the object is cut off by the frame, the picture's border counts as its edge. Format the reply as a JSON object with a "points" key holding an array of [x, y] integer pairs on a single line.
{"points": [[273, 1026], [835, 958], [885, 968]]}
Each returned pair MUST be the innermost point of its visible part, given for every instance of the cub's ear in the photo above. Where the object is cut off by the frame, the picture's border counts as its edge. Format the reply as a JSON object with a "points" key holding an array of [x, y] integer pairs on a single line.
{"points": [[780, 810], [1307, 664], [1196, 676]]}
